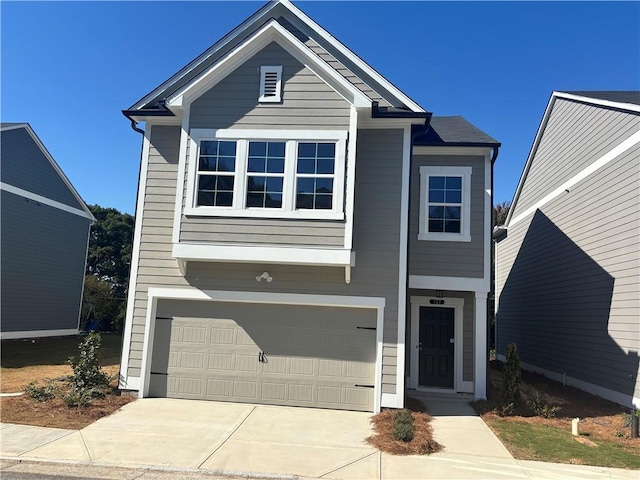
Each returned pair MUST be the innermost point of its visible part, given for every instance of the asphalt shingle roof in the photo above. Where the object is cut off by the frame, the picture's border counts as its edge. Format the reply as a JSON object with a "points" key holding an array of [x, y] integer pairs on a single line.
{"points": [[453, 130]]}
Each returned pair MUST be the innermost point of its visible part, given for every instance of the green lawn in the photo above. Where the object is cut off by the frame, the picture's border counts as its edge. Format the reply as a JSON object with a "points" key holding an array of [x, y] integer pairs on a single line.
{"points": [[539, 442]]}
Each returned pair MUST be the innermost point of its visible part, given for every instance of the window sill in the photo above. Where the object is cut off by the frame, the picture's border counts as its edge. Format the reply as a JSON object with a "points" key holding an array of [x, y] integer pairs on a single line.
{"points": [[444, 237], [264, 213]]}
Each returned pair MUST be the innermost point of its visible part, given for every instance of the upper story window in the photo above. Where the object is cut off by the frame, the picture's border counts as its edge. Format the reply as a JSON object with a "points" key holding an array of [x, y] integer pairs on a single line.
{"points": [[445, 197], [270, 84], [264, 173]]}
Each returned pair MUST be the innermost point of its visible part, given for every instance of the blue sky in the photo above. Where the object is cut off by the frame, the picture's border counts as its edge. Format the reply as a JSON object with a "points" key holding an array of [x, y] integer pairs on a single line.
{"points": [[69, 68]]}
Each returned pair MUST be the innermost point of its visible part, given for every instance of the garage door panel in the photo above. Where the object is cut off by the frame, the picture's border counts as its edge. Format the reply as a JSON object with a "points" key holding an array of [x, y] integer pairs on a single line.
{"points": [[273, 354]]}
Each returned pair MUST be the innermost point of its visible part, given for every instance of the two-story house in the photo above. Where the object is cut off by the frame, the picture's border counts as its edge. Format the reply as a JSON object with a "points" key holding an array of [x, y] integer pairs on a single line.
{"points": [[306, 234]]}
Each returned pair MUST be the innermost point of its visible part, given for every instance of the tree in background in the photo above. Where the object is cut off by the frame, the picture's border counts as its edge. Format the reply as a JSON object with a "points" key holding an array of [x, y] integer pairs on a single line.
{"points": [[108, 265], [500, 212]]}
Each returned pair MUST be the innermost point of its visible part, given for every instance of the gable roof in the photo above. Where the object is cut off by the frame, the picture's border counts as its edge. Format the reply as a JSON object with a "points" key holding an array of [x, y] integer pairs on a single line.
{"points": [[14, 126], [454, 130], [311, 36], [623, 100], [630, 97]]}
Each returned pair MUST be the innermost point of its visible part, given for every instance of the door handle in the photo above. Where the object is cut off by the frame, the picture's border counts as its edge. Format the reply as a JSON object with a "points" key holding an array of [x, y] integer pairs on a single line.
{"points": [[452, 340]]}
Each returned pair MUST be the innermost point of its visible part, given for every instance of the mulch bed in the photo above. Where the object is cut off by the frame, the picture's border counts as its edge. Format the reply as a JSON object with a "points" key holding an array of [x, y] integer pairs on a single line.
{"points": [[422, 443], [55, 413]]}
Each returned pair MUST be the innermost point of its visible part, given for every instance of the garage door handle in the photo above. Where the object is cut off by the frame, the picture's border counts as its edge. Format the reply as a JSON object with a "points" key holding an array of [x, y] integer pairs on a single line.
{"points": [[366, 328], [159, 373], [363, 386]]}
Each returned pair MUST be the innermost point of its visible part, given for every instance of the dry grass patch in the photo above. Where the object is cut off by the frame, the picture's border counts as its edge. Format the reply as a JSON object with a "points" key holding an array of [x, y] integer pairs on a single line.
{"points": [[421, 444]]}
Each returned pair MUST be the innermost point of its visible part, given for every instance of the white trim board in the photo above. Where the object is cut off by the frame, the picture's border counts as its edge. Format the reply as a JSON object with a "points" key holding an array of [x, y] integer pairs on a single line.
{"points": [[541, 128], [272, 31], [462, 284], [612, 395], [458, 306], [5, 187], [55, 166], [135, 258], [157, 293], [467, 151], [601, 162], [299, 19], [261, 254], [38, 334]]}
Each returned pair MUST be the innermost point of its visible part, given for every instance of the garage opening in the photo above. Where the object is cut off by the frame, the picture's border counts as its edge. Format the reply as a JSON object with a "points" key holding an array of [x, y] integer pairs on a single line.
{"points": [[311, 356]]}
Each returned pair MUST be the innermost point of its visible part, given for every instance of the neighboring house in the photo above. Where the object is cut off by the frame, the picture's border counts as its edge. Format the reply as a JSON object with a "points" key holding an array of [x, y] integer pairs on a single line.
{"points": [[568, 257], [306, 234], [44, 239]]}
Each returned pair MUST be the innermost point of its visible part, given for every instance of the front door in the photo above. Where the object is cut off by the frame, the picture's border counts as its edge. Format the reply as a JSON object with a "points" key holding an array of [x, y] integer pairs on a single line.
{"points": [[436, 347]]}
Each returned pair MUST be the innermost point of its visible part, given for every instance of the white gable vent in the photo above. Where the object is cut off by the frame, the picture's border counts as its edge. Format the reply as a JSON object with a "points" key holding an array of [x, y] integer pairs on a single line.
{"points": [[270, 84]]}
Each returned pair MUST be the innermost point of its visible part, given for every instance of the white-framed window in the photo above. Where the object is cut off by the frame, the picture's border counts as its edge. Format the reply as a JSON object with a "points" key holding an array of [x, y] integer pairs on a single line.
{"points": [[270, 84], [445, 202], [267, 173]]}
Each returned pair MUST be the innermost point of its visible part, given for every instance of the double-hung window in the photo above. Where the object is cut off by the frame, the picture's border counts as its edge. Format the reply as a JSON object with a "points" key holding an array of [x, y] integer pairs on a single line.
{"points": [[267, 173], [445, 197]]}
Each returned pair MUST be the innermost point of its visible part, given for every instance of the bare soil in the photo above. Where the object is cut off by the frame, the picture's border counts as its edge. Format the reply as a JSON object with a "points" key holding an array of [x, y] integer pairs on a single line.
{"points": [[599, 418], [24, 361]]}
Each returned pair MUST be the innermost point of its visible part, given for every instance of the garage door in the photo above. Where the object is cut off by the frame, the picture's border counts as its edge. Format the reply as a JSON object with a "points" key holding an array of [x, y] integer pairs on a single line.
{"points": [[274, 354]]}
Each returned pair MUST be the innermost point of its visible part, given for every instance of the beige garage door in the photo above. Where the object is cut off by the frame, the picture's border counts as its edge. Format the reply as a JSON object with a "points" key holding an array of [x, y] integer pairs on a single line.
{"points": [[275, 354]]}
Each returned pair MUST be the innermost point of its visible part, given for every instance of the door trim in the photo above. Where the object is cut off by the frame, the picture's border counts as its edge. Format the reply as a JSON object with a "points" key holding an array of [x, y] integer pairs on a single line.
{"points": [[158, 293], [449, 302]]}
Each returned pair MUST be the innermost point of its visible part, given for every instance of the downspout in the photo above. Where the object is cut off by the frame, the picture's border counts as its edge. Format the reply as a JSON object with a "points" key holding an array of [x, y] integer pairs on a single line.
{"points": [[490, 310]]}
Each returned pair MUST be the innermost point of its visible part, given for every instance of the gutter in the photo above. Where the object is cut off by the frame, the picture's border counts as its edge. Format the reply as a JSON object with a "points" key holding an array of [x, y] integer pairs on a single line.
{"points": [[161, 111]]}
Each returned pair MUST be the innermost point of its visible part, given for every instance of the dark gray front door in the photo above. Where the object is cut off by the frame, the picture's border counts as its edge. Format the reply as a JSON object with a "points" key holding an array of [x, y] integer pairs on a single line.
{"points": [[436, 347]]}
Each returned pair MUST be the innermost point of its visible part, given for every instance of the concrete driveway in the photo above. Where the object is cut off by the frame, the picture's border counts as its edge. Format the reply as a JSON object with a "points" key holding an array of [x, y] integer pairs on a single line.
{"points": [[231, 438]]}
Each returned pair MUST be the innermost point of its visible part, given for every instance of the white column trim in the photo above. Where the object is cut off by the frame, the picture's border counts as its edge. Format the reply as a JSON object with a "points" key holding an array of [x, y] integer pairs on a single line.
{"points": [[135, 257], [182, 166], [350, 180], [480, 346]]}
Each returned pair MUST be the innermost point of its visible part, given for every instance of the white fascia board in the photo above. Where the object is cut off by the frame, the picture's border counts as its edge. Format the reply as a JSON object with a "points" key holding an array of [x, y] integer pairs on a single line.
{"points": [[608, 157], [13, 126], [38, 334], [461, 284], [437, 150], [532, 152], [352, 57], [224, 41], [260, 254], [5, 187], [597, 101], [56, 167], [271, 32]]}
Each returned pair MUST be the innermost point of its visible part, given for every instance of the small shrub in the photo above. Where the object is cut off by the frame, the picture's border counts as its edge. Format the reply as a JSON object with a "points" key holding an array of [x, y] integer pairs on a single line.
{"points": [[512, 377], [42, 393], [403, 428], [538, 406], [88, 380], [506, 409]]}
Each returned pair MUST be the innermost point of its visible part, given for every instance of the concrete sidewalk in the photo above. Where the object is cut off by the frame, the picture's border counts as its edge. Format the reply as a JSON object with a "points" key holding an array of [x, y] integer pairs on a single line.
{"points": [[240, 439]]}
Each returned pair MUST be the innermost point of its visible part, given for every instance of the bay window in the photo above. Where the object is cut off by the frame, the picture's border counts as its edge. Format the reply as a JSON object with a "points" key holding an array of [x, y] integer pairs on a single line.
{"points": [[264, 173]]}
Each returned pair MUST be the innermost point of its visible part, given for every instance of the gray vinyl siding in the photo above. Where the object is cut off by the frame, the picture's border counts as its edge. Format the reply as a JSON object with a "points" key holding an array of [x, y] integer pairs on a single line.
{"points": [[308, 103], [42, 260], [448, 259], [576, 135], [568, 278], [376, 242], [467, 329], [25, 166]]}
